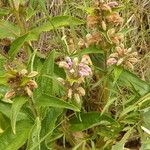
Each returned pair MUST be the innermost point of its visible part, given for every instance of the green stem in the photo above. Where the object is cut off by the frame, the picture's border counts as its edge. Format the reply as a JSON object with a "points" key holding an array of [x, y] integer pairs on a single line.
{"points": [[32, 107]]}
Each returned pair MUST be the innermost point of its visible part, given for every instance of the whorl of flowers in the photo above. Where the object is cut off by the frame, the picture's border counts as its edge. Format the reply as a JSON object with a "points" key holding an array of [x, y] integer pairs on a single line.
{"points": [[76, 71], [104, 24], [123, 56], [20, 82]]}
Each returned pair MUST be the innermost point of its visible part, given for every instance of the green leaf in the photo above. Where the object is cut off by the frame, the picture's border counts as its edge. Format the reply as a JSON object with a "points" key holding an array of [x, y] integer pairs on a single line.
{"points": [[17, 44], [118, 146], [10, 141], [121, 143], [49, 124], [46, 84], [45, 100], [8, 30], [127, 30], [130, 80], [34, 135], [4, 11], [89, 120], [30, 12], [5, 108], [54, 23], [18, 102], [91, 50]]}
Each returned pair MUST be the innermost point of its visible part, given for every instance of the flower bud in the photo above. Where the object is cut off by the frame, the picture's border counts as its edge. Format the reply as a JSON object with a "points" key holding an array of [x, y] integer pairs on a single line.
{"points": [[120, 61], [120, 51], [105, 7], [77, 98], [28, 91], [112, 4], [75, 61], [81, 91], [133, 60], [70, 93], [32, 84], [104, 25], [81, 43], [23, 72], [111, 61], [32, 74], [9, 95], [61, 80], [115, 55], [63, 64], [129, 65]]}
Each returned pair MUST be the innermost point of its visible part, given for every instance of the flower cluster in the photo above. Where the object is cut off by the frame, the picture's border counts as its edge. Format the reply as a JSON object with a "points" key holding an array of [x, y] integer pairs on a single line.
{"points": [[20, 82], [104, 23], [123, 57], [76, 72]]}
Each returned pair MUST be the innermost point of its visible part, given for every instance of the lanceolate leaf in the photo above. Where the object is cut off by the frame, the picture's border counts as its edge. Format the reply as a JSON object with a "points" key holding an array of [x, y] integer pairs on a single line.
{"points": [[46, 84], [16, 106], [54, 23], [7, 29], [45, 100], [130, 80], [89, 120], [34, 135], [11, 141], [17, 44], [91, 50]]}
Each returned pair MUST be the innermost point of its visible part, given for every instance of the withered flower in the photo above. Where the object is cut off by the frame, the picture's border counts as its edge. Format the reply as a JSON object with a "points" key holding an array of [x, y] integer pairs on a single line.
{"points": [[94, 38], [123, 56], [114, 18], [92, 21], [20, 82]]}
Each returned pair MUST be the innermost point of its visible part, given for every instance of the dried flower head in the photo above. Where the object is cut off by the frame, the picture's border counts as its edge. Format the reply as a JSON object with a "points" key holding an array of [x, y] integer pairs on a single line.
{"points": [[114, 18], [123, 56], [20, 82], [94, 38], [92, 21]]}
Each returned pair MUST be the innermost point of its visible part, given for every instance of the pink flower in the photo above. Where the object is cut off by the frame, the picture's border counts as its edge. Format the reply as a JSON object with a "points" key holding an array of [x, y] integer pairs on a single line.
{"points": [[112, 4]]}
